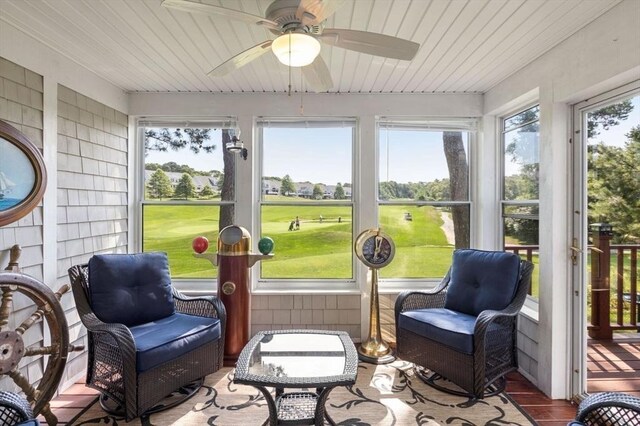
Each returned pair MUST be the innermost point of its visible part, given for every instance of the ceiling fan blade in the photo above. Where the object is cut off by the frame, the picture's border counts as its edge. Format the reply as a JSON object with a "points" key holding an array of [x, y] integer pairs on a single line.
{"points": [[207, 9], [312, 12], [241, 59], [318, 76], [371, 43]]}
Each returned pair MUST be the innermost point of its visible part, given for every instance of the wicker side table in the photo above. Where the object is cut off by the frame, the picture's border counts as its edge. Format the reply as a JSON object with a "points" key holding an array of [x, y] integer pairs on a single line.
{"points": [[609, 408], [284, 359], [14, 409]]}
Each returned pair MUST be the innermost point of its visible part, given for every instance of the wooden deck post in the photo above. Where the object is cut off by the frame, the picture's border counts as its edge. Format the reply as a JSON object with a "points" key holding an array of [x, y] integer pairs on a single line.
{"points": [[601, 234]]}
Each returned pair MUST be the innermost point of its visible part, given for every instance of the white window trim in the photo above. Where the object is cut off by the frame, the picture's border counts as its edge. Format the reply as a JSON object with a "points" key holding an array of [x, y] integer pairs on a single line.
{"points": [[531, 304], [265, 286], [464, 124], [189, 286]]}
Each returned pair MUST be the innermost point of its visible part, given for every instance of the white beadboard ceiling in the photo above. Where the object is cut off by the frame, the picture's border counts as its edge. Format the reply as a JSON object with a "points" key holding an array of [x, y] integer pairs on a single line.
{"points": [[467, 46]]}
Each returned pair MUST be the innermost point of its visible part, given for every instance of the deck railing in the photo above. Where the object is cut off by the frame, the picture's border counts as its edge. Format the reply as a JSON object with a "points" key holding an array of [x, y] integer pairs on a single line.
{"points": [[526, 250], [625, 254], [615, 276]]}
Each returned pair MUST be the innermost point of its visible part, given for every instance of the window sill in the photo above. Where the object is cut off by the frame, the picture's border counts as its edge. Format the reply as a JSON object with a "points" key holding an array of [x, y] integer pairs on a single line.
{"points": [[530, 309], [305, 287]]}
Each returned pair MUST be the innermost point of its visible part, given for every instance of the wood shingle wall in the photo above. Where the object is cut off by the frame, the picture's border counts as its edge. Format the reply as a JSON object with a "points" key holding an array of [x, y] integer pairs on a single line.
{"points": [[91, 194]]}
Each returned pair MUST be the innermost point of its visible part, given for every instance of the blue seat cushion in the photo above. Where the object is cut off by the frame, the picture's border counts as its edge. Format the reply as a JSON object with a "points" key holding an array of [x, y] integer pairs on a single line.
{"points": [[168, 338], [482, 280], [451, 328], [130, 289]]}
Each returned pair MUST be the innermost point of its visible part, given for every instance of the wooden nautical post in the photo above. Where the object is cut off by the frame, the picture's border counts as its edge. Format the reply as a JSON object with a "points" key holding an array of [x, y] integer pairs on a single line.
{"points": [[234, 262], [601, 234]]}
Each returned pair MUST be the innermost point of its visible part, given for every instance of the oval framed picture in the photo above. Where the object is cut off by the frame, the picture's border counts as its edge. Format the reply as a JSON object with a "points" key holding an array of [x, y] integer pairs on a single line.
{"points": [[23, 177]]}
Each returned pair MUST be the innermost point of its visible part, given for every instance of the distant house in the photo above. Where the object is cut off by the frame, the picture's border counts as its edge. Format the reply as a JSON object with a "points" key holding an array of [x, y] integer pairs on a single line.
{"points": [[270, 186], [303, 189]]}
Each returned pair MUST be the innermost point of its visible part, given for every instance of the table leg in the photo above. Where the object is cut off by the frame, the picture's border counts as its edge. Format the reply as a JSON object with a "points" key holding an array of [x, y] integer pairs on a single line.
{"points": [[321, 411], [273, 412]]}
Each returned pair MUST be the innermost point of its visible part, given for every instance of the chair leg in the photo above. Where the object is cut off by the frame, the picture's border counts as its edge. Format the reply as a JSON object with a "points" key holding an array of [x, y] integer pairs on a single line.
{"points": [[114, 408]]}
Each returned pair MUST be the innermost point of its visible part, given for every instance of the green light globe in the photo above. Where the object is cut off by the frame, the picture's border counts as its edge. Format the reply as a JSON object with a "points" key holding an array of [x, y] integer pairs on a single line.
{"points": [[265, 245]]}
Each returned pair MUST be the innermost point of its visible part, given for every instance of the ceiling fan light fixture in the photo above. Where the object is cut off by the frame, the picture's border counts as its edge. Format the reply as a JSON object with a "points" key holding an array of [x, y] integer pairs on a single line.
{"points": [[296, 49]]}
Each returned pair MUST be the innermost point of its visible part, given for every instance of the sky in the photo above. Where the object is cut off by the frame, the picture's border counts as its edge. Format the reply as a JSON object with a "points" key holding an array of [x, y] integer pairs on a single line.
{"points": [[616, 134], [324, 155]]}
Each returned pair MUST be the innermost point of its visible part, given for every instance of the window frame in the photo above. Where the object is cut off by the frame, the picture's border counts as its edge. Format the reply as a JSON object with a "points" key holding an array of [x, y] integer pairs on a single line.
{"points": [[262, 285], [190, 285], [463, 124], [532, 301]]}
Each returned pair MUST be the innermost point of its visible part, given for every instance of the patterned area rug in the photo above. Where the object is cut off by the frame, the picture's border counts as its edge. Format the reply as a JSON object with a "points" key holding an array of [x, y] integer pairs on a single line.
{"points": [[383, 395]]}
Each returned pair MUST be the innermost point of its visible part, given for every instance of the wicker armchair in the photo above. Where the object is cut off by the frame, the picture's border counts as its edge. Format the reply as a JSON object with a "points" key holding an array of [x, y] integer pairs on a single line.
{"points": [[608, 408], [146, 340], [464, 330]]}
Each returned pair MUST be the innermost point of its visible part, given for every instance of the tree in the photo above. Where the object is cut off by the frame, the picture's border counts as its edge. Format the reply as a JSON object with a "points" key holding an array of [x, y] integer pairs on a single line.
{"points": [[614, 187], [227, 188], [318, 193], [198, 140], [185, 188], [152, 166], [338, 194], [164, 139], [458, 185], [206, 191], [159, 185], [287, 187], [609, 116]]}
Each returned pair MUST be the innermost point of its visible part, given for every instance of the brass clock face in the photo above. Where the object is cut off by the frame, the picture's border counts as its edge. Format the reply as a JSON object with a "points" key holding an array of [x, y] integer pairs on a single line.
{"points": [[374, 248]]}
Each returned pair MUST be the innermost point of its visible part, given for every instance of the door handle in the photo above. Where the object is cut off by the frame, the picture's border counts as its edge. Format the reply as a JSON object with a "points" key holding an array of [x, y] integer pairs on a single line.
{"points": [[575, 250]]}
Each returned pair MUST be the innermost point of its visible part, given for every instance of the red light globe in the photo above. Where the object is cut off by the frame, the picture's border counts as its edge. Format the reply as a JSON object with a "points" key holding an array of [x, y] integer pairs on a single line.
{"points": [[200, 244]]}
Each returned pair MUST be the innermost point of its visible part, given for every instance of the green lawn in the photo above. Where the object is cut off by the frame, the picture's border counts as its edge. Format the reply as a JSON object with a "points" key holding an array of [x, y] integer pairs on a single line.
{"points": [[172, 228], [317, 250]]}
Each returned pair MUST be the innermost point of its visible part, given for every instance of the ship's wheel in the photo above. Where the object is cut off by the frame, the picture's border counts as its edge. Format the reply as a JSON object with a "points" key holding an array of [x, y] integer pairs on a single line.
{"points": [[16, 290]]}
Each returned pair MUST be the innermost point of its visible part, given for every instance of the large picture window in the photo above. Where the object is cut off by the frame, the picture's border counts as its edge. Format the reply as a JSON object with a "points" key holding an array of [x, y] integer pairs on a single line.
{"points": [[423, 193], [520, 186], [188, 189], [306, 198]]}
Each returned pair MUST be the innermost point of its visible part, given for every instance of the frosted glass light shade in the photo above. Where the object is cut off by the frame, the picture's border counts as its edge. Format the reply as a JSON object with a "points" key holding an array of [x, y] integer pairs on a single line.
{"points": [[304, 49]]}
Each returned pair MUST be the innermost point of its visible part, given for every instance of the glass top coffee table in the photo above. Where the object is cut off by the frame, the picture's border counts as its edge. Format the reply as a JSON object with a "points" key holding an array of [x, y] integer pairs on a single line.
{"points": [[302, 359]]}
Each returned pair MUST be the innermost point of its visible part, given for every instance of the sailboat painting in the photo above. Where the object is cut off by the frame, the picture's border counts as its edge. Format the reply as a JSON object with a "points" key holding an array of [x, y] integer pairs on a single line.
{"points": [[17, 176]]}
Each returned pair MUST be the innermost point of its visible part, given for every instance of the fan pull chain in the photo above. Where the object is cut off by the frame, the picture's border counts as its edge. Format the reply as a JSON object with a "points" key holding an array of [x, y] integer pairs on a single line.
{"points": [[289, 64], [301, 93]]}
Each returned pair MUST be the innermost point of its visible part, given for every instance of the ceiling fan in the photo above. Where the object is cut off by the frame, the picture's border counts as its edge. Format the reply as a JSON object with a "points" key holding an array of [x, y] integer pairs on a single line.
{"points": [[299, 25]]}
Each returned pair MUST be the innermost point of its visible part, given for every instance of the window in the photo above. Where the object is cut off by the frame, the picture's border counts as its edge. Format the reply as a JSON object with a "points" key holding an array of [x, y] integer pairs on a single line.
{"points": [[423, 193], [520, 186], [189, 189], [306, 198]]}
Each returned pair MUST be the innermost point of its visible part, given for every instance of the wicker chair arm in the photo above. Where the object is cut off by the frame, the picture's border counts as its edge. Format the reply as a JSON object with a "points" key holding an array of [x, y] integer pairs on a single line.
{"points": [[613, 408], [204, 306], [487, 317], [119, 332], [423, 299]]}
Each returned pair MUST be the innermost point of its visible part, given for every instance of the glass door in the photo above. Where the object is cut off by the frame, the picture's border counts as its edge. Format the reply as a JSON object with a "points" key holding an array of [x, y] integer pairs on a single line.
{"points": [[606, 235]]}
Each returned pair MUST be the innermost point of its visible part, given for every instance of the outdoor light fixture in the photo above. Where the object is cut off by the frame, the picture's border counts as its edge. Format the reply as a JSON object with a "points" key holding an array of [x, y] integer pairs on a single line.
{"points": [[235, 145], [296, 49]]}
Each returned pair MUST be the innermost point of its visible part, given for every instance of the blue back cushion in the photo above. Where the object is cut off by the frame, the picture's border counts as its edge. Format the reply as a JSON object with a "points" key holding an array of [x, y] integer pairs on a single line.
{"points": [[482, 280], [130, 289]]}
